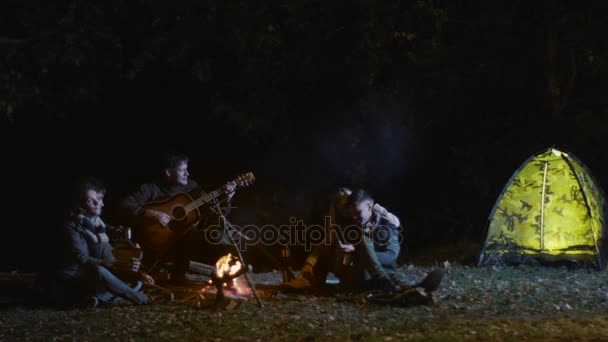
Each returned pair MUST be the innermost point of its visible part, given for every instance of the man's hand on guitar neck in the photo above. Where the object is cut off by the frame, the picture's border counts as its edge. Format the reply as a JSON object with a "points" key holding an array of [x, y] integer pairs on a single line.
{"points": [[159, 216], [230, 189]]}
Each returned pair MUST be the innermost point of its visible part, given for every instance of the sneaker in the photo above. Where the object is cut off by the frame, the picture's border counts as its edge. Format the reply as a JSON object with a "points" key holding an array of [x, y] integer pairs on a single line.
{"points": [[431, 282]]}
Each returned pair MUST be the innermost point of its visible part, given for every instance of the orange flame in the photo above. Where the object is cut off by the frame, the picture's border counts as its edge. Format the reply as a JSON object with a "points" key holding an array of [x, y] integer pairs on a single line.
{"points": [[230, 265], [227, 265]]}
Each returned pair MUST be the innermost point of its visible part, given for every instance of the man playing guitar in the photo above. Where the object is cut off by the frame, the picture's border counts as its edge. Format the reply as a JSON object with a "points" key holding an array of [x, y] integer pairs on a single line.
{"points": [[164, 214]]}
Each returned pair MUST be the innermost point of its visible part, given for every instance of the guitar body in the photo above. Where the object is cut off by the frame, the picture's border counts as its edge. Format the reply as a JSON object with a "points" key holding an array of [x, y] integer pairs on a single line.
{"points": [[184, 213], [151, 234]]}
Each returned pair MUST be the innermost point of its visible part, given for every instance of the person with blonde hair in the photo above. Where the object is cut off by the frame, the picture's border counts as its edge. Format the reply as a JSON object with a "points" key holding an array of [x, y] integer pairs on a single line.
{"points": [[335, 254]]}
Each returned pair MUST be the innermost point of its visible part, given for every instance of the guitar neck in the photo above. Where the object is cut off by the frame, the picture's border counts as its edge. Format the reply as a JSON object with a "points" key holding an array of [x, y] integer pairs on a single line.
{"points": [[242, 180], [202, 200]]}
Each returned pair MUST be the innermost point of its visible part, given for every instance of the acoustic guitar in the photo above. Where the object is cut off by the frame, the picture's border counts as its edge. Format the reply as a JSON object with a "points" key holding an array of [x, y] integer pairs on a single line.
{"points": [[184, 212]]}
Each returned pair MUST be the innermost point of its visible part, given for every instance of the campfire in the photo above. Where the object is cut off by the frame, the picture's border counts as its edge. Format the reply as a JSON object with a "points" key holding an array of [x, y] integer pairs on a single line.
{"points": [[228, 283], [224, 282], [227, 269]]}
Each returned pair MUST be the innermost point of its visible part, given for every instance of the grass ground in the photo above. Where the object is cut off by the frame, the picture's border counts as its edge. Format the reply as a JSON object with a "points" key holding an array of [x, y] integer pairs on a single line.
{"points": [[473, 304]]}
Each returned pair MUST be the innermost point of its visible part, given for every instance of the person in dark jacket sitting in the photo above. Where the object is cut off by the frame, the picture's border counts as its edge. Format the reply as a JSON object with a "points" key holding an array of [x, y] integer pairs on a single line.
{"points": [[377, 248], [191, 244], [334, 254], [361, 249], [87, 270]]}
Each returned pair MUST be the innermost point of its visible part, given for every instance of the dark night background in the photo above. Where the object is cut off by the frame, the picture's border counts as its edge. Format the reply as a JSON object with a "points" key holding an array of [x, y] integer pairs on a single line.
{"points": [[430, 105]]}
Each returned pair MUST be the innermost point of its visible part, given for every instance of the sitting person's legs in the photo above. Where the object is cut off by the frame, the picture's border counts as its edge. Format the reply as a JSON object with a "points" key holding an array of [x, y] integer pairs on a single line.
{"points": [[369, 264], [110, 286], [388, 260]]}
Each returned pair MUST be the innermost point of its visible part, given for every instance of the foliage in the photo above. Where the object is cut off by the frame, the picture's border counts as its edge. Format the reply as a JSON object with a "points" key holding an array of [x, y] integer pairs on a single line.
{"points": [[267, 57]]}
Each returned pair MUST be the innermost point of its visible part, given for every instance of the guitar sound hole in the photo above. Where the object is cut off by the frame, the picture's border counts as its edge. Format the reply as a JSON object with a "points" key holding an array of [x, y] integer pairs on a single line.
{"points": [[178, 213]]}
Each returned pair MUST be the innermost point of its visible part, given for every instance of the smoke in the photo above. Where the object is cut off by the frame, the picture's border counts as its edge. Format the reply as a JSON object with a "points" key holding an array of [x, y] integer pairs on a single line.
{"points": [[367, 145], [372, 144]]}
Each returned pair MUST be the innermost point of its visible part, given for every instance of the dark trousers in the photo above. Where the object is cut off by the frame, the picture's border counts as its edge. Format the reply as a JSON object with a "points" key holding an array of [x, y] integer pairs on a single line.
{"points": [[366, 268], [93, 280], [112, 289]]}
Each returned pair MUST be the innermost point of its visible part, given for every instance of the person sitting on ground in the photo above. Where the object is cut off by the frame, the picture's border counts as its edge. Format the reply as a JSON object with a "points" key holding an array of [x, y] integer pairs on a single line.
{"points": [[377, 248], [86, 272], [364, 260], [193, 243], [333, 254]]}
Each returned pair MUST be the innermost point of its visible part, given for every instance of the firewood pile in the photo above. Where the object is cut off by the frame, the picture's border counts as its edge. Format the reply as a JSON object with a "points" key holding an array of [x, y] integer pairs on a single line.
{"points": [[217, 292]]}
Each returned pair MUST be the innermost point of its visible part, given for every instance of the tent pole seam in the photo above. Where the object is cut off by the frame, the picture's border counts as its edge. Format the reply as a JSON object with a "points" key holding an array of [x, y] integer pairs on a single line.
{"points": [[542, 209]]}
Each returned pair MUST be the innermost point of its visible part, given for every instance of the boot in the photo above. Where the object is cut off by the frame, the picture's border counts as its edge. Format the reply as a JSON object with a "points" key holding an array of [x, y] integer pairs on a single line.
{"points": [[432, 281]]}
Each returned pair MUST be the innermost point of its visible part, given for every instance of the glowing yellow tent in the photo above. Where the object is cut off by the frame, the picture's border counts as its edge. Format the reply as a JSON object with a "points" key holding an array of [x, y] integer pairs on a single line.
{"points": [[550, 211]]}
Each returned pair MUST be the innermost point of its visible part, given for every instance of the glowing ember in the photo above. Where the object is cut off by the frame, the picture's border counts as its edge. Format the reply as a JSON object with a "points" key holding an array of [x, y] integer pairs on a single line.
{"points": [[241, 286], [227, 265]]}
